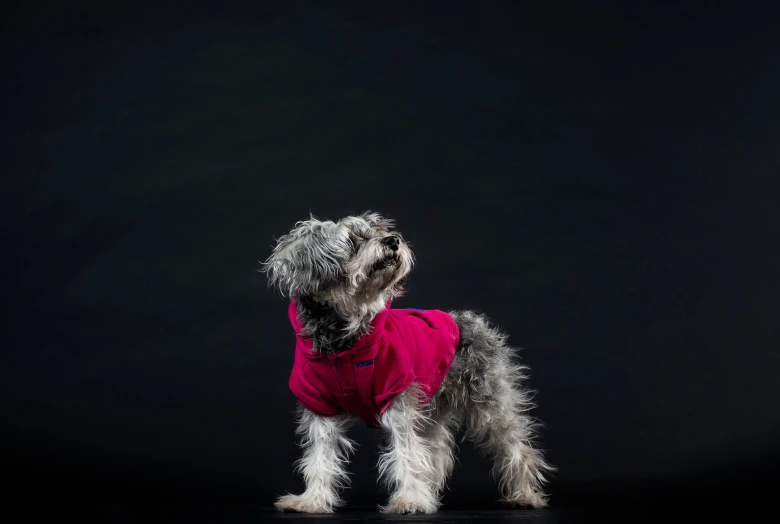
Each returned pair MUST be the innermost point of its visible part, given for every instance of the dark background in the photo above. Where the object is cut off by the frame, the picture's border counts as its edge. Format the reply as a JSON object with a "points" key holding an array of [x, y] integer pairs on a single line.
{"points": [[600, 178]]}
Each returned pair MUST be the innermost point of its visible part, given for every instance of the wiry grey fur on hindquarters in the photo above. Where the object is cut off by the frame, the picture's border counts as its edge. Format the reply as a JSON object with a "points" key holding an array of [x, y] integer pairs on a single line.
{"points": [[342, 274], [483, 393]]}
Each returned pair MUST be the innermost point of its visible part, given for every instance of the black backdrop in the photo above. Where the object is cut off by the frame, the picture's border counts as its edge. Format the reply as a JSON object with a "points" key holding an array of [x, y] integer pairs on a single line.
{"points": [[601, 180]]}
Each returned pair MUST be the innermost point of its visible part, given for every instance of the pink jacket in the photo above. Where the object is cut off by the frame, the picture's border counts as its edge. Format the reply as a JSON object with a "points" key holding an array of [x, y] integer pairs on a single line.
{"points": [[403, 346]]}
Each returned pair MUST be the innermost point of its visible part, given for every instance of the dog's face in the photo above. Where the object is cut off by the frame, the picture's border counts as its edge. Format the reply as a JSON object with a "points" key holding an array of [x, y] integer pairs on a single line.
{"points": [[354, 265]]}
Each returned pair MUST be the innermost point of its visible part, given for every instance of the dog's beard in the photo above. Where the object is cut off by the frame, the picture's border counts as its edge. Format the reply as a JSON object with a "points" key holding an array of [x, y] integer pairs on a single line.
{"points": [[389, 262], [388, 269], [376, 266]]}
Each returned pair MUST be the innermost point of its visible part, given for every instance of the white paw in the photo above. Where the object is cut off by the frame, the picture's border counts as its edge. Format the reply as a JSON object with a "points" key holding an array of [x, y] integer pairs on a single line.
{"points": [[533, 500], [400, 505], [302, 504]]}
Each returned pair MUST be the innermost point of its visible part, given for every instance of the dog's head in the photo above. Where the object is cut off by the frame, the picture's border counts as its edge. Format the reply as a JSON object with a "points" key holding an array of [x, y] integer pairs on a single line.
{"points": [[354, 265]]}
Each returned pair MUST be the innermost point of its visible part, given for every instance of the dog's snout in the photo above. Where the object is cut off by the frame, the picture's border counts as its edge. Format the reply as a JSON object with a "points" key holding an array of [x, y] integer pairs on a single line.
{"points": [[391, 241]]}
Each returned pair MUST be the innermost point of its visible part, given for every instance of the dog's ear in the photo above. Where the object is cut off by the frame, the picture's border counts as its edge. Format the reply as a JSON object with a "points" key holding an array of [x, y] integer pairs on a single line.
{"points": [[308, 259], [280, 266], [377, 221]]}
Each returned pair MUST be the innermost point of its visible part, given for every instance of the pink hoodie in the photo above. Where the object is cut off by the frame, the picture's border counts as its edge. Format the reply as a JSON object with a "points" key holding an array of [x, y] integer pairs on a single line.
{"points": [[403, 346]]}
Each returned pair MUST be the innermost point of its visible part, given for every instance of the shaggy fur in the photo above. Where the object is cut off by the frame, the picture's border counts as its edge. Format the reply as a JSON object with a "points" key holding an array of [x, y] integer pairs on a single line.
{"points": [[342, 274]]}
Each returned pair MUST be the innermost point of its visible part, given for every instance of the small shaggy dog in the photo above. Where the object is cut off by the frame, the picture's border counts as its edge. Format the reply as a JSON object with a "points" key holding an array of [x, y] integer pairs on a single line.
{"points": [[420, 376]]}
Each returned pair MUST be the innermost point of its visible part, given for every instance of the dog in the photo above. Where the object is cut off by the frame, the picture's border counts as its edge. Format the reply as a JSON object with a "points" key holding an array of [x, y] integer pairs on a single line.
{"points": [[419, 376]]}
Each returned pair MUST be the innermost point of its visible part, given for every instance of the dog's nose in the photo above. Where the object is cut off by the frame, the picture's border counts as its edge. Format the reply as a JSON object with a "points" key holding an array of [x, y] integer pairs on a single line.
{"points": [[392, 242]]}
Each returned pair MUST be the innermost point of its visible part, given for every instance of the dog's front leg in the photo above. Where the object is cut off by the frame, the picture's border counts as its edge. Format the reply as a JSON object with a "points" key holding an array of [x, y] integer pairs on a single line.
{"points": [[323, 464], [407, 465]]}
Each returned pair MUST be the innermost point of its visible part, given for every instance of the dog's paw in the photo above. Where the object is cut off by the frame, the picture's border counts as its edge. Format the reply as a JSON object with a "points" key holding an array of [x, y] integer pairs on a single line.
{"points": [[399, 505], [302, 504], [532, 500]]}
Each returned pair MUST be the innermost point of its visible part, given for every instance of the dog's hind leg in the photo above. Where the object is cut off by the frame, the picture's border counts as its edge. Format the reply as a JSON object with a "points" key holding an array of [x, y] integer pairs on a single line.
{"points": [[496, 407], [505, 433]]}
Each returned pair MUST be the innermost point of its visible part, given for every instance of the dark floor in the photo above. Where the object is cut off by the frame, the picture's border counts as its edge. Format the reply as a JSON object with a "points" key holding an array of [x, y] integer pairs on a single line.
{"points": [[241, 514], [255, 514]]}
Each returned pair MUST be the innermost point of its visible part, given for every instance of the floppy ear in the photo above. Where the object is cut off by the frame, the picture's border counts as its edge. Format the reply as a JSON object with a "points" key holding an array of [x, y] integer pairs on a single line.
{"points": [[280, 267], [306, 260]]}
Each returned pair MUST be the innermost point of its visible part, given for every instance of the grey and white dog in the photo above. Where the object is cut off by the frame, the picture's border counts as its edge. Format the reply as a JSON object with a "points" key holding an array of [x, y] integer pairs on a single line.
{"points": [[342, 275]]}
